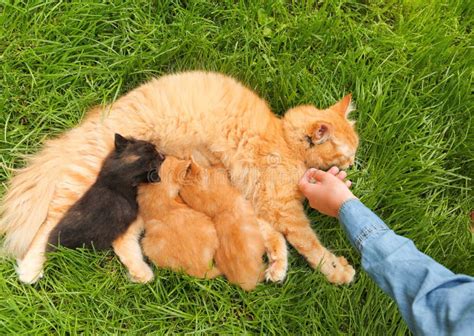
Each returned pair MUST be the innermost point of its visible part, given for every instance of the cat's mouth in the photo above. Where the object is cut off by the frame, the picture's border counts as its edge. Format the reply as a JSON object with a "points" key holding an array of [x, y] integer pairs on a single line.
{"points": [[341, 166], [344, 166]]}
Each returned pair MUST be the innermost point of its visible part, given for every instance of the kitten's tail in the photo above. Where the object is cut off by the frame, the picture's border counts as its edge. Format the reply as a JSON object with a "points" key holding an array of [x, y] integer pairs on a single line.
{"points": [[25, 205]]}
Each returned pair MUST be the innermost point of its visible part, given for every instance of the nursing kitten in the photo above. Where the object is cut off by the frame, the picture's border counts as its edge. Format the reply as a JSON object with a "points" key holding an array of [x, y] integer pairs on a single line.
{"points": [[109, 208], [241, 247], [176, 236], [181, 113]]}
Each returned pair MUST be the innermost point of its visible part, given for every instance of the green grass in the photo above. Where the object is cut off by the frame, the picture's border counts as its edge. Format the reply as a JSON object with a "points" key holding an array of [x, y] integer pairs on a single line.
{"points": [[410, 69]]}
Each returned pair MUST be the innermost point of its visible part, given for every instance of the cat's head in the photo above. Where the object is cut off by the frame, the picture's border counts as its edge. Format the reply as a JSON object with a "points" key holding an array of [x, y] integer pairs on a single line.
{"points": [[203, 187], [322, 138], [173, 172], [134, 160]]}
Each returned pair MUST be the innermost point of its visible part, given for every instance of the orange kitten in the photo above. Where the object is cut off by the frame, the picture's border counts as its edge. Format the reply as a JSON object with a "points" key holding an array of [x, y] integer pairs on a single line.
{"points": [[176, 236], [181, 113], [241, 247]]}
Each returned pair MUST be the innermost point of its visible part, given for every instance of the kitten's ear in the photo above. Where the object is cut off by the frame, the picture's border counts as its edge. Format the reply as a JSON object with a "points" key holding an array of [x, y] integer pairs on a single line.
{"points": [[193, 165], [321, 132], [344, 106], [178, 170], [120, 142], [186, 167]]}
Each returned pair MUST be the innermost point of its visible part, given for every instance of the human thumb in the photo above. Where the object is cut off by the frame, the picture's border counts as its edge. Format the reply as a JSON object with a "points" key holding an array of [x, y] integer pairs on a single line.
{"points": [[309, 178], [313, 175]]}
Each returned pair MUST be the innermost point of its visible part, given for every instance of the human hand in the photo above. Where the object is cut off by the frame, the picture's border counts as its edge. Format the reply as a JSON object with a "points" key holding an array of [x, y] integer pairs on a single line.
{"points": [[326, 191]]}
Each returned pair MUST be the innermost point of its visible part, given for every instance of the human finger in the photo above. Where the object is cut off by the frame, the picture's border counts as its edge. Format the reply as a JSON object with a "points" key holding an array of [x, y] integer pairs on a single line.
{"points": [[304, 181], [342, 175], [310, 175], [313, 175], [333, 170]]}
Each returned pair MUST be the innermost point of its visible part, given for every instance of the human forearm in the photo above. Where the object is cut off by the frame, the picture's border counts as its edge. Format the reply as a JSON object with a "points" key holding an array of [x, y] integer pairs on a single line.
{"points": [[360, 223], [431, 298]]}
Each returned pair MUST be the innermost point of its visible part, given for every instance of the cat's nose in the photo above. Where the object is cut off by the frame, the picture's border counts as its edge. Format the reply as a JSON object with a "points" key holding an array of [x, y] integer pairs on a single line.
{"points": [[346, 163], [351, 161]]}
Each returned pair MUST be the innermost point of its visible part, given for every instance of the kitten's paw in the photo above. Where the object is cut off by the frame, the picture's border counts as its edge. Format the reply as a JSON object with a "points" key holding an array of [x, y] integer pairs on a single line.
{"points": [[340, 271], [143, 275], [28, 271], [276, 271]]}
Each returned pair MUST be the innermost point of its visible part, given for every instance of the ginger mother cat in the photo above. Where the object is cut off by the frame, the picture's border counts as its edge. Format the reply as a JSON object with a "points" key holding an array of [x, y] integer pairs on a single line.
{"points": [[185, 113]]}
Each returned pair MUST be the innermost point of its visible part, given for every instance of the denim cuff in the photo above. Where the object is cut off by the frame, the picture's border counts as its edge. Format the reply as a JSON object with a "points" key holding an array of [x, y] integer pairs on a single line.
{"points": [[360, 223]]}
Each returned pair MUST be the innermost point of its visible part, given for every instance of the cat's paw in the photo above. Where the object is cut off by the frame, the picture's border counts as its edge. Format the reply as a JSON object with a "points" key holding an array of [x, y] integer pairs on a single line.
{"points": [[142, 275], [28, 271], [340, 271], [276, 271]]}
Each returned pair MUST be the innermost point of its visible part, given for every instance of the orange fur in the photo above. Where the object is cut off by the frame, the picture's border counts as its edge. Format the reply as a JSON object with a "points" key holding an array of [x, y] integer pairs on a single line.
{"points": [[241, 247], [176, 236], [215, 116]]}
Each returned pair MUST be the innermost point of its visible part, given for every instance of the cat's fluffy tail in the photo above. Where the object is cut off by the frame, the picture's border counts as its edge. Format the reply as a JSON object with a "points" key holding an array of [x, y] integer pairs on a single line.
{"points": [[25, 205]]}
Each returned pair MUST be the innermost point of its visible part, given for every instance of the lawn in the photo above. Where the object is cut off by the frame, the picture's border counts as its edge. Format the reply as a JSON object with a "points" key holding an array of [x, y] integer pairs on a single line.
{"points": [[408, 65]]}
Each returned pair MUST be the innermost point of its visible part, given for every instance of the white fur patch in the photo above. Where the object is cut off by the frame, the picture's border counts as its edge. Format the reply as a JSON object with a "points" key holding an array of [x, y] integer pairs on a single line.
{"points": [[345, 150], [350, 108]]}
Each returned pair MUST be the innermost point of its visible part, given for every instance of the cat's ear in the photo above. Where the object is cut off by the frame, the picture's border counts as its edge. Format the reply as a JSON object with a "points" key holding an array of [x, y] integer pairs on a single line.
{"points": [[186, 167], [193, 165], [344, 106], [321, 132], [120, 142], [179, 170]]}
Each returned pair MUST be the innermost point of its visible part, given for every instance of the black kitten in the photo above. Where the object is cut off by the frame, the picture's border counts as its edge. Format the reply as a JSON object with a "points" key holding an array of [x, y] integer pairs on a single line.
{"points": [[105, 212]]}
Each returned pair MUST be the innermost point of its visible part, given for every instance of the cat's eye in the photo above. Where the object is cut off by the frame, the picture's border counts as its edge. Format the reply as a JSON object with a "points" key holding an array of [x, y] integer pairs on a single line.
{"points": [[309, 140]]}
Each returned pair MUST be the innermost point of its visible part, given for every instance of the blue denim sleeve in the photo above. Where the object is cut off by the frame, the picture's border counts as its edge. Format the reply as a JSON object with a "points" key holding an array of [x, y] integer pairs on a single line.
{"points": [[432, 299]]}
